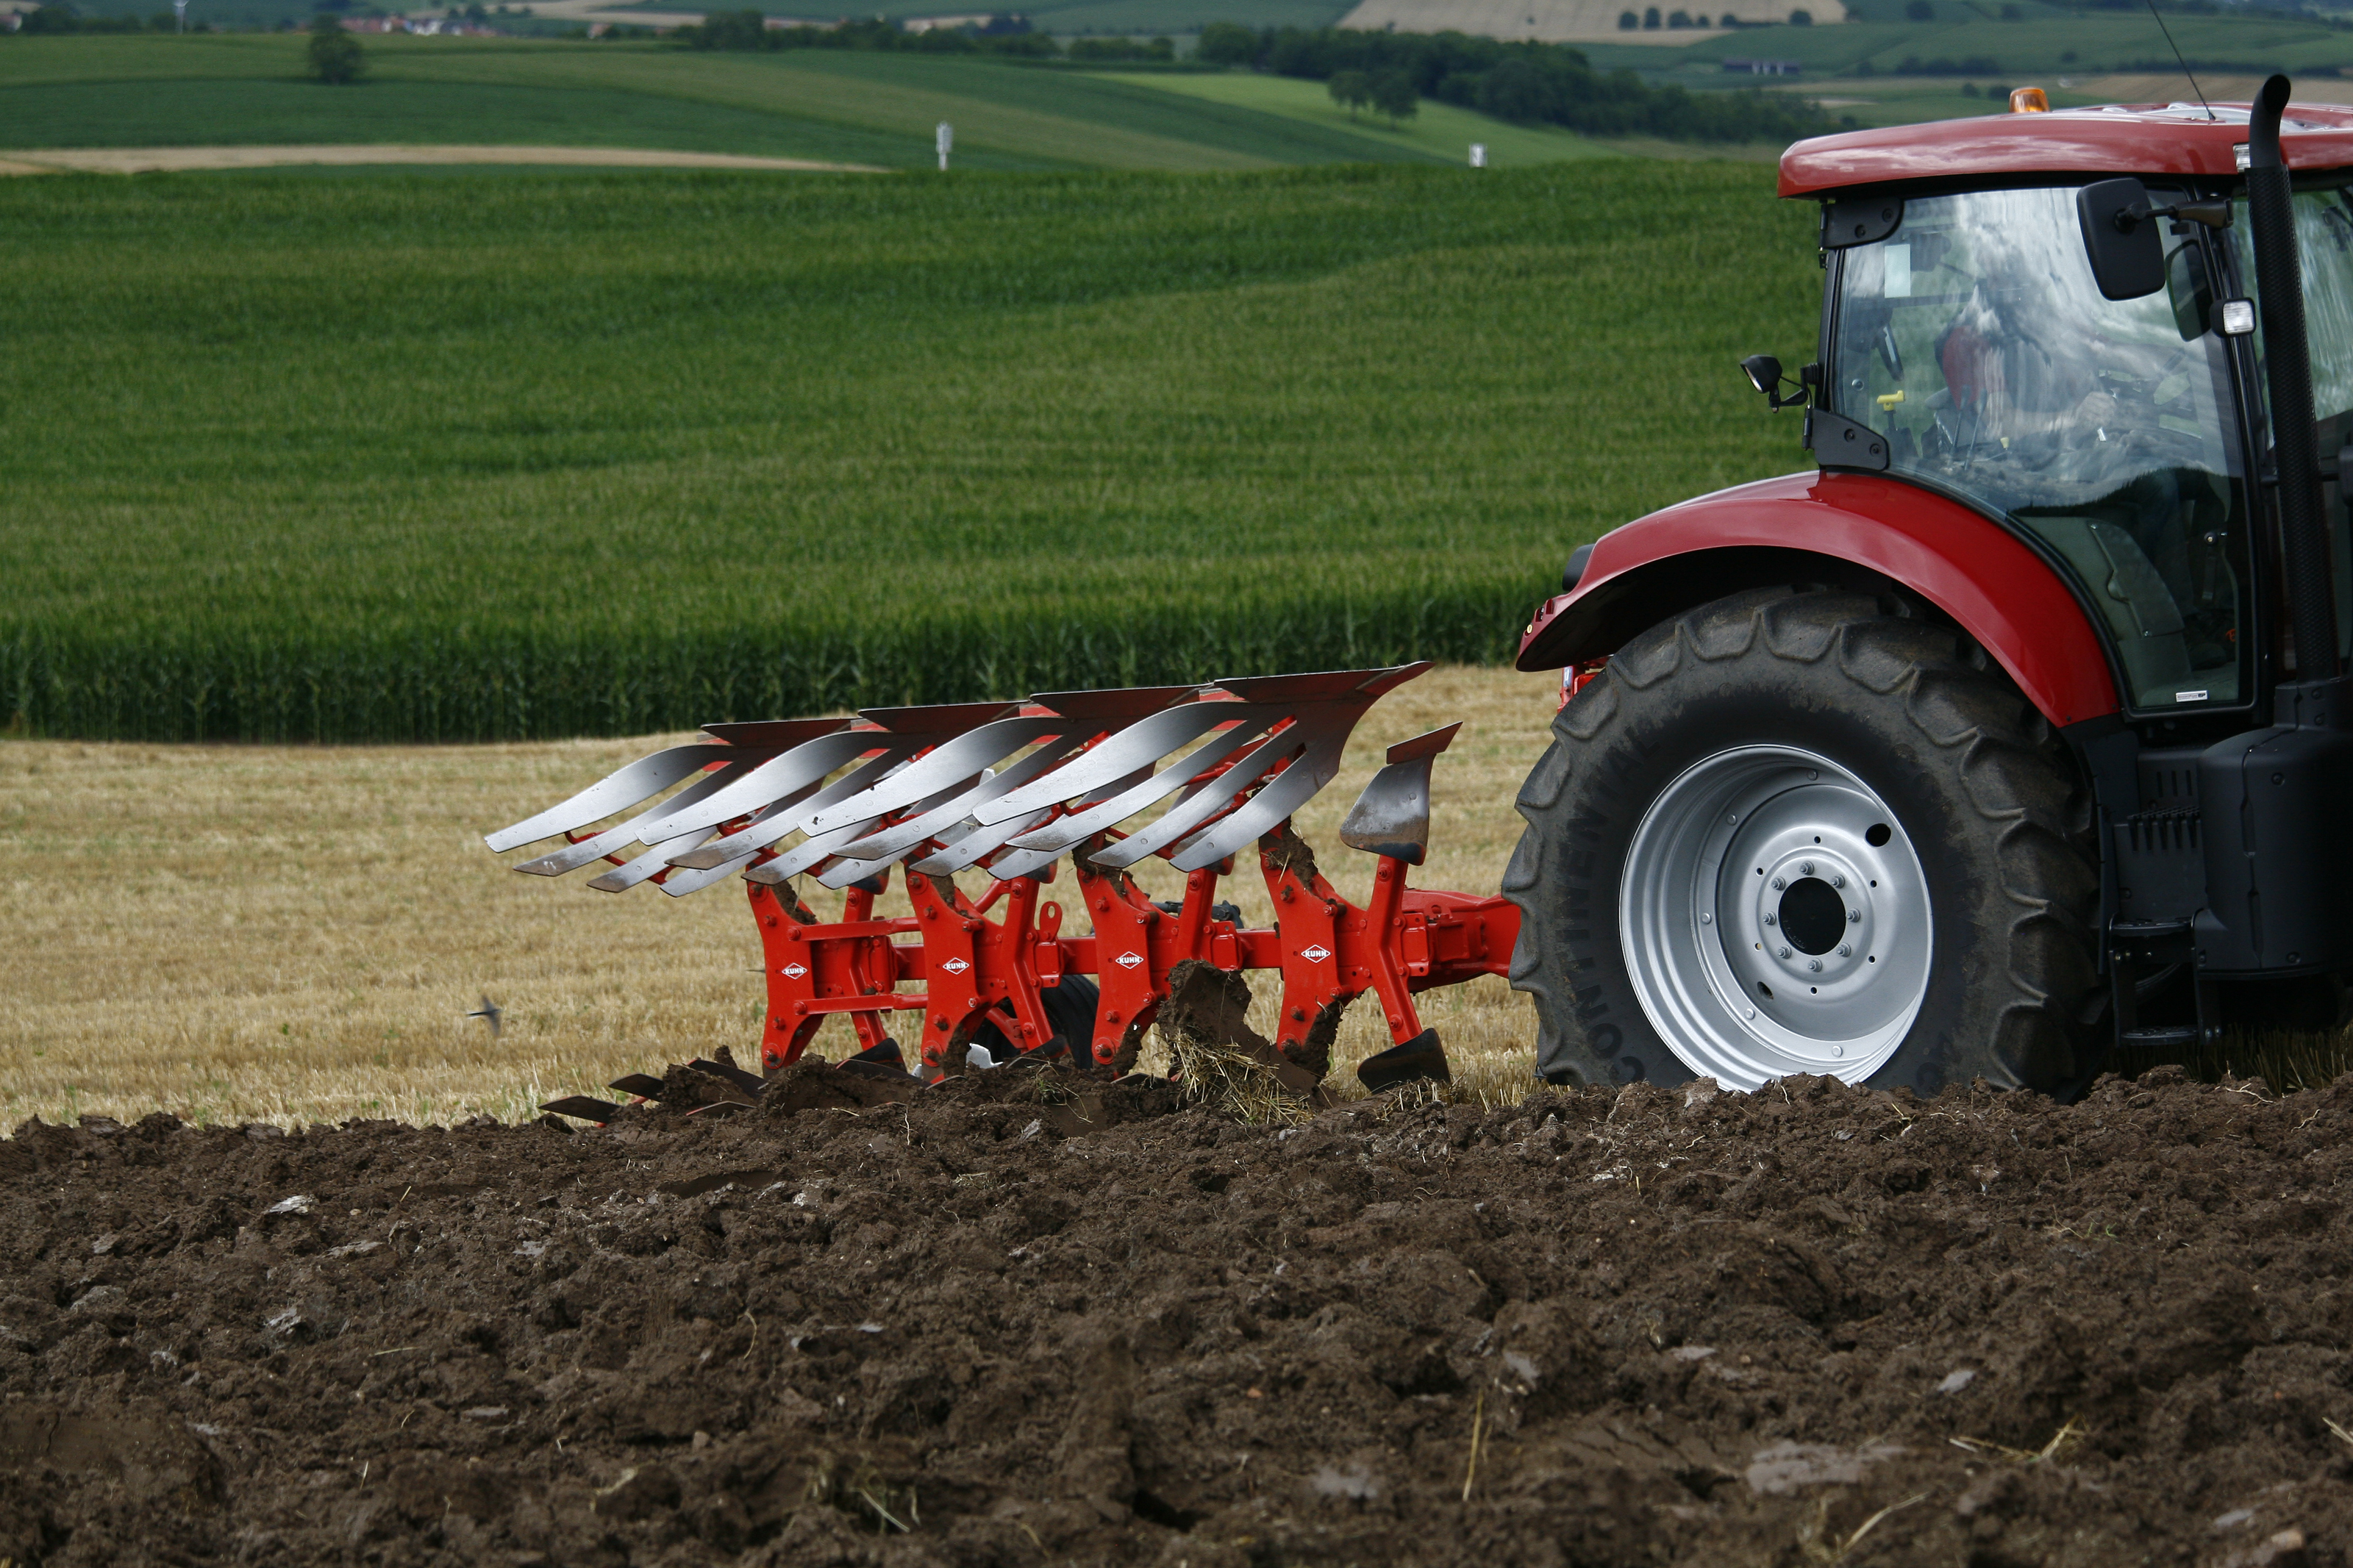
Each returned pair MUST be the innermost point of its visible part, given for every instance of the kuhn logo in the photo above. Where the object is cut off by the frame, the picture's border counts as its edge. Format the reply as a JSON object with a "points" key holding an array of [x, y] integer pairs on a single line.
{"points": [[793, 970], [1314, 954], [955, 966], [1128, 960]]}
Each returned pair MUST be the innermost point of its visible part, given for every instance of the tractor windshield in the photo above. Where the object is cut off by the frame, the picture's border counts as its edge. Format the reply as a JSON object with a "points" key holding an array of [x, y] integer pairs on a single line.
{"points": [[1976, 341]]}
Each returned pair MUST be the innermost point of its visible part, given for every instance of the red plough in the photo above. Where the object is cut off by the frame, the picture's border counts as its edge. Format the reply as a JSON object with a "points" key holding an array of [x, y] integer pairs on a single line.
{"points": [[1010, 789]]}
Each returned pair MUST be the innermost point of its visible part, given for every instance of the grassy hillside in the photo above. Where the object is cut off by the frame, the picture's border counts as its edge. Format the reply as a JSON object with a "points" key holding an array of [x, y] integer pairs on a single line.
{"points": [[2041, 42], [399, 456], [203, 114], [828, 105], [1438, 129]]}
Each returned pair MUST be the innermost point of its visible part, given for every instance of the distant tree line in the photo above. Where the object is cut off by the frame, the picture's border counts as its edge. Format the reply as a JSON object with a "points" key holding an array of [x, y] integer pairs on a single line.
{"points": [[57, 17], [1650, 19], [1529, 82], [999, 35]]}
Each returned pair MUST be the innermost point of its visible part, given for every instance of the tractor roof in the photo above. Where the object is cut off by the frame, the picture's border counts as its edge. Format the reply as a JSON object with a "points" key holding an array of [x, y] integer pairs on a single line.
{"points": [[2146, 139]]}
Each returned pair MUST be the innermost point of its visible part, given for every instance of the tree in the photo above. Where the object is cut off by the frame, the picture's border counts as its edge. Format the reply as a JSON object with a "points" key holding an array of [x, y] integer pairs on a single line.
{"points": [[731, 30], [334, 53], [1351, 90], [1227, 44], [1393, 94], [1514, 89]]}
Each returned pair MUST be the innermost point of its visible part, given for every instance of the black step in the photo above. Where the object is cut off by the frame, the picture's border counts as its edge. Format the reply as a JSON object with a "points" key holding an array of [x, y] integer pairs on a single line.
{"points": [[645, 1086], [2172, 1038], [2152, 931], [2152, 942]]}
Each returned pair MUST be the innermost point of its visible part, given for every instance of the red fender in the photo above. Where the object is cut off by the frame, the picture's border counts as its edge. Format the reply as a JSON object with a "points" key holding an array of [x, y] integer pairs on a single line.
{"points": [[1987, 578]]}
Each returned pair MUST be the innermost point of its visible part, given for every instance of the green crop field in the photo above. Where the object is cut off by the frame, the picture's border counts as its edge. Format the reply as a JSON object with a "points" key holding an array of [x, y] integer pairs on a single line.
{"points": [[202, 114], [536, 454], [827, 105]]}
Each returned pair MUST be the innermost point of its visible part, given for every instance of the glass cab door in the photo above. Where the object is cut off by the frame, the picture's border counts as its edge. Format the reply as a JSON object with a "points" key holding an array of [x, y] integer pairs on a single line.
{"points": [[2324, 237], [1974, 340]]}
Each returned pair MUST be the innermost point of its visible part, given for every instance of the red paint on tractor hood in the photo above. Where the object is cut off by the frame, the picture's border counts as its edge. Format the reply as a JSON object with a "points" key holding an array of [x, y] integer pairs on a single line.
{"points": [[1985, 577], [2146, 139]]}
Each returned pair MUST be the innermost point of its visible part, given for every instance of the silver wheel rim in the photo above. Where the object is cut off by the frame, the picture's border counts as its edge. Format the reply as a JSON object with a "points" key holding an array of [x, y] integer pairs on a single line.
{"points": [[1775, 919]]}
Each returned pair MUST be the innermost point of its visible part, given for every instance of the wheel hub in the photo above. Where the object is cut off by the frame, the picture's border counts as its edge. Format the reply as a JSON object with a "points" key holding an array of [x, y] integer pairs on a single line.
{"points": [[1775, 919]]}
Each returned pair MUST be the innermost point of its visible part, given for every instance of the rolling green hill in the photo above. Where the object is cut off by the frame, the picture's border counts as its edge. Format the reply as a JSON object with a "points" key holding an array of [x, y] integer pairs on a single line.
{"points": [[201, 113], [830, 105], [1437, 130], [533, 453]]}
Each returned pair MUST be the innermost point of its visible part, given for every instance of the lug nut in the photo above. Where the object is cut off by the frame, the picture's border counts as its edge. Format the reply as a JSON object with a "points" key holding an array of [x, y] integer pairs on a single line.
{"points": [[1779, 884], [1814, 964], [1772, 919], [1807, 867], [1785, 953], [1837, 880], [1854, 917], [1846, 950]]}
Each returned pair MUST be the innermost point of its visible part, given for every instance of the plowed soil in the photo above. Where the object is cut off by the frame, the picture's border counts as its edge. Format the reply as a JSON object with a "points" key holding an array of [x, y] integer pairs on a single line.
{"points": [[1029, 1318]]}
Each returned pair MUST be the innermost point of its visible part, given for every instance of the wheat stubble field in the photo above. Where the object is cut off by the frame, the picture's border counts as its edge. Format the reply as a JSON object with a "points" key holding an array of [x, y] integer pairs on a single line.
{"points": [[295, 933]]}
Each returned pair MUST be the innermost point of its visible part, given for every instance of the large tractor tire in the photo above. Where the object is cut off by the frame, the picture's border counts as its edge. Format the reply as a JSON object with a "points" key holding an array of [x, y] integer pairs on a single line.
{"points": [[1804, 831]]}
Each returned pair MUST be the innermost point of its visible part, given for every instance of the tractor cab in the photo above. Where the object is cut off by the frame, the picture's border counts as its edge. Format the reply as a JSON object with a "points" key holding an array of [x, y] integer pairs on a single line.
{"points": [[2081, 550], [2109, 419]]}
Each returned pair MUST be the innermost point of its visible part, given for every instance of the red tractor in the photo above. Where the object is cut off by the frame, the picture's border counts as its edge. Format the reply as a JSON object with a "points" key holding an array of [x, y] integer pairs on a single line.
{"points": [[2010, 745], [2014, 741]]}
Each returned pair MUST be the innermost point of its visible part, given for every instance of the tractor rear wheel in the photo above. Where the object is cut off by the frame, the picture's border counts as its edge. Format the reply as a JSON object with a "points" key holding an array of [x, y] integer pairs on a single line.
{"points": [[1805, 831]]}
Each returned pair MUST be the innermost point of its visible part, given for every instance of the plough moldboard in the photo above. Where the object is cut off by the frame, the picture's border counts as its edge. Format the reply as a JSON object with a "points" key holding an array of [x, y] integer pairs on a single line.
{"points": [[1011, 788]]}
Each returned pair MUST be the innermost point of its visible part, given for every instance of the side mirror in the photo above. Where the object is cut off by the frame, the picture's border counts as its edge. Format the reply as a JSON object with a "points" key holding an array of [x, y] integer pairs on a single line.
{"points": [[1764, 373], [2121, 238]]}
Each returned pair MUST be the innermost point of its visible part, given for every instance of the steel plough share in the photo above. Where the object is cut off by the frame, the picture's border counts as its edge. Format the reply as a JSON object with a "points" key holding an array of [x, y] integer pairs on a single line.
{"points": [[1011, 789]]}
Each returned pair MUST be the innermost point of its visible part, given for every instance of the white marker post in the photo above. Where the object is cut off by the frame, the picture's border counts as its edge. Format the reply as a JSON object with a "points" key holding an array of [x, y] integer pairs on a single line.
{"points": [[1478, 154], [946, 140], [180, 16]]}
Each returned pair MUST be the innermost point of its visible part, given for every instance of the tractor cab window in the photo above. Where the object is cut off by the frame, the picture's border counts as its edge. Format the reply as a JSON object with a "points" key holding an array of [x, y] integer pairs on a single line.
{"points": [[1976, 341]]}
